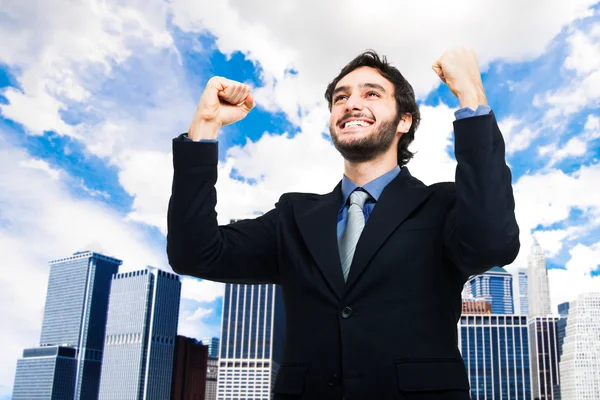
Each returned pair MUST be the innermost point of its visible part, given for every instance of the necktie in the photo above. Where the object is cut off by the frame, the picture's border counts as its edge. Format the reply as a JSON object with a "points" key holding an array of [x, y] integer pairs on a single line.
{"points": [[355, 226]]}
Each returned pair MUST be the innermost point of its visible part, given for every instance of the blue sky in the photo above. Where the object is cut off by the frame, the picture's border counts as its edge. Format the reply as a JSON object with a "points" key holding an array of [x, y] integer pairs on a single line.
{"points": [[87, 117]]}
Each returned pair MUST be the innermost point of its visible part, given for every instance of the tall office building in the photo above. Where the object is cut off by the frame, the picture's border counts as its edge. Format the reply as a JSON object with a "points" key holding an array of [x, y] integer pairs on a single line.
{"points": [[72, 330], [523, 290], [212, 375], [213, 346], [252, 337], [189, 369], [495, 349], [494, 286], [543, 345], [539, 293], [46, 373], [563, 312], [580, 361], [140, 335]]}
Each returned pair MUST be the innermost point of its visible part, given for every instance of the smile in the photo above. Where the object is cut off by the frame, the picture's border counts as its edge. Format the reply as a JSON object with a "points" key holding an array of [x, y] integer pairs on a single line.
{"points": [[355, 124]]}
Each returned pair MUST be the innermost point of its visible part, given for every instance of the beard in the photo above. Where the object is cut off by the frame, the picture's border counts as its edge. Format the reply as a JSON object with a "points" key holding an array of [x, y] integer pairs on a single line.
{"points": [[370, 147]]}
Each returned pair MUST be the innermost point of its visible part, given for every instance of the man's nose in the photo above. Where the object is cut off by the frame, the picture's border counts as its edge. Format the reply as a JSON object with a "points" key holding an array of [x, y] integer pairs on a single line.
{"points": [[354, 102]]}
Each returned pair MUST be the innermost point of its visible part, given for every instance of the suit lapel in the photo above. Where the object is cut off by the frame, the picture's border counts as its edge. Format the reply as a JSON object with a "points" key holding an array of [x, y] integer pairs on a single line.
{"points": [[317, 220], [397, 201]]}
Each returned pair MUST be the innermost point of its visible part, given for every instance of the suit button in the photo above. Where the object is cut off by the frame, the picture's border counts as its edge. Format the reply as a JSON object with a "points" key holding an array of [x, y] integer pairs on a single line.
{"points": [[346, 312], [334, 380]]}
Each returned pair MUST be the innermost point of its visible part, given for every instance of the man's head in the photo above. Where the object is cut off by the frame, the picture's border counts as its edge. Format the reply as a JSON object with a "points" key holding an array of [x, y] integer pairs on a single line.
{"points": [[374, 95]]}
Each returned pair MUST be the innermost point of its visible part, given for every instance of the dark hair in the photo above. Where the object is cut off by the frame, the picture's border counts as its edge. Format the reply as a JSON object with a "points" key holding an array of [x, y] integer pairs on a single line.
{"points": [[403, 92]]}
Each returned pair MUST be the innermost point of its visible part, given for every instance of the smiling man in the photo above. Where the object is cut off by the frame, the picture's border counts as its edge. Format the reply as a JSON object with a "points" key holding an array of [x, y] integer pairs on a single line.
{"points": [[372, 272]]}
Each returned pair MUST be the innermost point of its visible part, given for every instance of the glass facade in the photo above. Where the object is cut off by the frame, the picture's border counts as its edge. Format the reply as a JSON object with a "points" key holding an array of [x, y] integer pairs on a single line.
{"points": [[140, 335], [213, 346], [543, 345], [563, 311], [494, 286], [495, 350], [46, 373], [75, 316], [523, 290], [252, 334]]}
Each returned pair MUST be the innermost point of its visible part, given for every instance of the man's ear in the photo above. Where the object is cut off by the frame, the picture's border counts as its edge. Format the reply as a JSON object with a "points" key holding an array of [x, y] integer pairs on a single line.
{"points": [[404, 124]]}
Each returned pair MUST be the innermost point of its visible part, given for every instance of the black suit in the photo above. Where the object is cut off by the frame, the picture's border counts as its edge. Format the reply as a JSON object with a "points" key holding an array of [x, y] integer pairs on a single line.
{"points": [[390, 331]]}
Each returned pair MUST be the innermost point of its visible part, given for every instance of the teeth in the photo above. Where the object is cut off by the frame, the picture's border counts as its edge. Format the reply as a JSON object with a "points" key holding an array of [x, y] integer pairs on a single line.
{"points": [[356, 123]]}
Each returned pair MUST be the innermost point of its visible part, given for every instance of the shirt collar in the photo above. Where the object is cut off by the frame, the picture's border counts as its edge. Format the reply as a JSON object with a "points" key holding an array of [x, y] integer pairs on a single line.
{"points": [[374, 188]]}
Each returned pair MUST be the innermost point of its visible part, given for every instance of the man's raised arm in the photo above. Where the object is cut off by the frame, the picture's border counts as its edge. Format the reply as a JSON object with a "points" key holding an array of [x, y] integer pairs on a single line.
{"points": [[243, 252], [481, 229]]}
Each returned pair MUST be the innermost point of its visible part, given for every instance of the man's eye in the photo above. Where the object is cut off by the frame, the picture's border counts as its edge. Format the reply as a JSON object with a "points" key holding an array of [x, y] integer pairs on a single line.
{"points": [[340, 97], [373, 93]]}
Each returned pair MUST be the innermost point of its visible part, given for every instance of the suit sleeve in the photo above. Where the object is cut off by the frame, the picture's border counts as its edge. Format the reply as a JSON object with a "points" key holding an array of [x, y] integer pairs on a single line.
{"points": [[481, 230], [242, 252]]}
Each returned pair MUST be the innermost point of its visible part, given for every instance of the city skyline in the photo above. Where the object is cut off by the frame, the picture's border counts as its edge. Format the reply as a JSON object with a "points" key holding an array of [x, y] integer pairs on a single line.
{"points": [[135, 323], [92, 94]]}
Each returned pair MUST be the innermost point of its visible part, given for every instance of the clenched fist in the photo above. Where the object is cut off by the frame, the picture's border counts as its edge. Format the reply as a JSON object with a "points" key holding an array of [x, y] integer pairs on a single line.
{"points": [[459, 69], [223, 102]]}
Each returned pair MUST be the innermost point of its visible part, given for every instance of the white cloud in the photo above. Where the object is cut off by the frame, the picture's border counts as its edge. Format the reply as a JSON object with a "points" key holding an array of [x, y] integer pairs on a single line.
{"points": [[583, 89], [195, 324], [63, 49], [573, 148], [566, 284], [551, 240], [41, 165], [200, 313], [201, 290], [546, 198], [516, 135]]}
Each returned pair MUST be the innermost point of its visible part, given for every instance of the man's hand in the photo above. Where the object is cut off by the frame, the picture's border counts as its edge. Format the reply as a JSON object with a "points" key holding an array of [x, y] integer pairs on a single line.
{"points": [[223, 102], [459, 69]]}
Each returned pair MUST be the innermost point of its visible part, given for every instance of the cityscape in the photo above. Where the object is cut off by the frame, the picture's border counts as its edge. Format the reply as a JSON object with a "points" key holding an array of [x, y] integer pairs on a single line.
{"points": [[92, 95], [108, 335]]}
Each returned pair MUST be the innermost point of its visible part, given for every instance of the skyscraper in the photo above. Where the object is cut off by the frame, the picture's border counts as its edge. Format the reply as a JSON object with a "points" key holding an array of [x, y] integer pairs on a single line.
{"points": [[213, 346], [523, 290], [543, 346], [74, 317], [252, 337], [46, 373], [580, 361], [563, 312], [189, 369], [495, 350], [140, 335], [494, 286], [539, 293]]}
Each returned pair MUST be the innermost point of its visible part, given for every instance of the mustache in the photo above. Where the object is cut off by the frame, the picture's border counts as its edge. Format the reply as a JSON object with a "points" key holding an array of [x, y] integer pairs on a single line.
{"points": [[354, 115]]}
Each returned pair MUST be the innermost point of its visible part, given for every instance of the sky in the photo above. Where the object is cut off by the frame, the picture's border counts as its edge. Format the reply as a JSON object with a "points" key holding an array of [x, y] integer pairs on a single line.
{"points": [[93, 92]]}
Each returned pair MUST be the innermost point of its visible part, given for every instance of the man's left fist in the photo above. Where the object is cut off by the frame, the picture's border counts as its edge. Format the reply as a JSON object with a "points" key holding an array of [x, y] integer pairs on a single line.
{"points": [[459, 69]]}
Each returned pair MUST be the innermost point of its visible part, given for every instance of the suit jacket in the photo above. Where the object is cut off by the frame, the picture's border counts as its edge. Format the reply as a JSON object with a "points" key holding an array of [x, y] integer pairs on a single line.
{"points": [[390, 331]]}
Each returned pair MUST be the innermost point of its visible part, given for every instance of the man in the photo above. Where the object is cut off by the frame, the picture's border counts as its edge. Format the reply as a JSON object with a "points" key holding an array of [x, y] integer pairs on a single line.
{"points": [[368, 318]]}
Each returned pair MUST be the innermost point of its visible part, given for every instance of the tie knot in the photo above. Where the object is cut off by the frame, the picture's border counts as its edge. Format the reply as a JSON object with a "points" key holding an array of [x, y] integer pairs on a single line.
{"points": [[359, 198]]}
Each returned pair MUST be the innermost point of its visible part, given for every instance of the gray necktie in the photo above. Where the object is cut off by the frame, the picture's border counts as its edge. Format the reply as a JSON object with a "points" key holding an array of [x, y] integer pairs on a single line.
{"points": [[356, 223]]}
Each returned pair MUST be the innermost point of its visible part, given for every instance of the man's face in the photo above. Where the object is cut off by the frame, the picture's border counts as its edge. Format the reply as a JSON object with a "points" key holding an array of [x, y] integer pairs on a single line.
{"points": [[363, 122]]}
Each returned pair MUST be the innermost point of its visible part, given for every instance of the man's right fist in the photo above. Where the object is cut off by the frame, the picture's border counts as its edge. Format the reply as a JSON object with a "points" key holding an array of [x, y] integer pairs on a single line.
{"points": [[223, 102]]}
